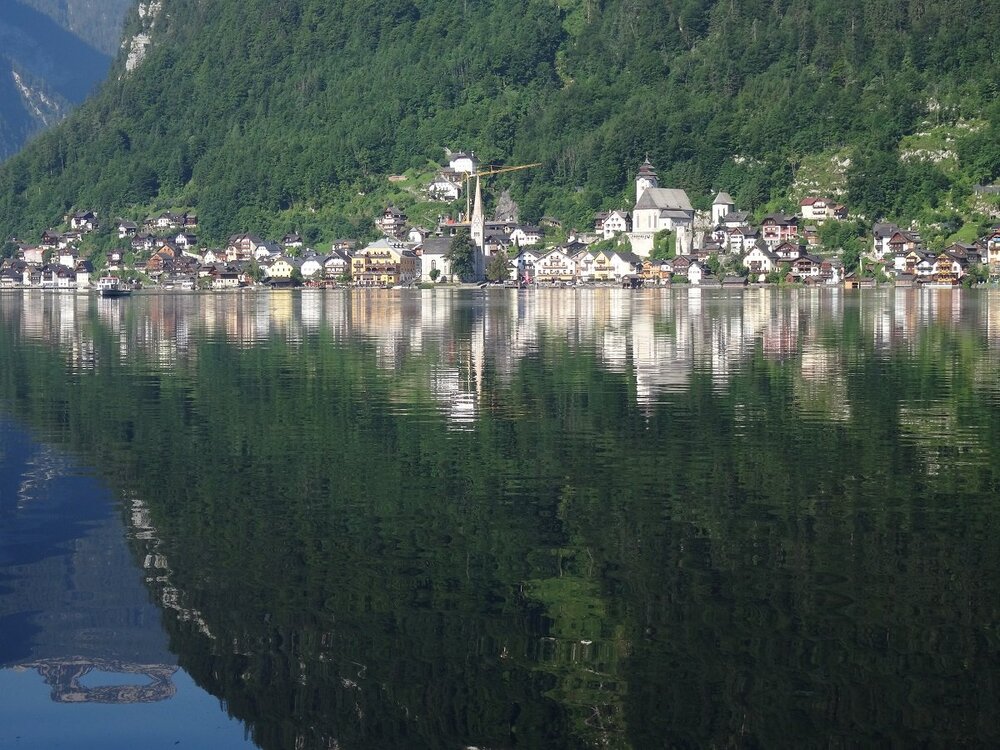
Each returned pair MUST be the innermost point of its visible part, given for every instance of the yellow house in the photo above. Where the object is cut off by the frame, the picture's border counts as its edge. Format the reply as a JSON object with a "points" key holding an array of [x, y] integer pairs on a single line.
{"points": [[281, 268], [384, 263], [602, 269]]}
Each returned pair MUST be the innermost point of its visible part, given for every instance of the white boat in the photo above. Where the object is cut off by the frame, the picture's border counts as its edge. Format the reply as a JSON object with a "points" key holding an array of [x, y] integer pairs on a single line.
{"points": [[112, 286]]}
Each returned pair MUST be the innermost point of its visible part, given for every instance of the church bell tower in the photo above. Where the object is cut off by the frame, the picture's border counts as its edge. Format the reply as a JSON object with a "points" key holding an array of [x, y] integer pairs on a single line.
{"points": [[645, 178]]}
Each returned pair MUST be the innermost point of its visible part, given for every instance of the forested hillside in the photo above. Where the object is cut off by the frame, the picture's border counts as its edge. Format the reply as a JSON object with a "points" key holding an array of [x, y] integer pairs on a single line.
{"points": [[265, 115]]}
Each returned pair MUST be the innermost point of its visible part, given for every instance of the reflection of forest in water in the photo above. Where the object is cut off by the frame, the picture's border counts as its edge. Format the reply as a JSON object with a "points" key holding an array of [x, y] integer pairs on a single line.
{"points": [[556, 519]]}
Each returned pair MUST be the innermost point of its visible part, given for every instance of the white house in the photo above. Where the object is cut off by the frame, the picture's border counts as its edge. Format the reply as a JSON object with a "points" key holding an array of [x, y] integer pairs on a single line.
{"points": [[185, 240], [821, 209], [556, 265], [735, 219], [266, 251], [526, 261], [625, 263], [312, 267], [336, 264], [789, 251], [292, 240], [34, 255], [83, 271], [446, 186], [615, 223], [85, 221], [881, 234], [460, 162], [525, 236], [741, 239], [760, 260], [696, 272], [68, 257]]}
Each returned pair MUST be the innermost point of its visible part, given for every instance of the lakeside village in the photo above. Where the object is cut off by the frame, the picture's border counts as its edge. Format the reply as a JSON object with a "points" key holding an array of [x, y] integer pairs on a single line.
{"points": [[718, 248]]}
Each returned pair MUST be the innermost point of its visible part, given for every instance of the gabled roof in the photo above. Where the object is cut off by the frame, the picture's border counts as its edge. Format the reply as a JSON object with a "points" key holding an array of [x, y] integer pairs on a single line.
{"points": [[665, 199], [780, 218], [436, 246], [723, 198], [764, 249], [904, 236], [565, 252], [814, 259]]}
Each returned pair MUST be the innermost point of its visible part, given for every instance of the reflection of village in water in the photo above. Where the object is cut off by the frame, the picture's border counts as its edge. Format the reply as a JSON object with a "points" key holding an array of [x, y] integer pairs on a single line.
{"points": [[659, 338], [453, 348]]}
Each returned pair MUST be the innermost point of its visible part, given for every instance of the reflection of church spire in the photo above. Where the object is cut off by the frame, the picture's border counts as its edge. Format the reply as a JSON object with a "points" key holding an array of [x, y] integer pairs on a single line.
{"points": [[478, 228]]}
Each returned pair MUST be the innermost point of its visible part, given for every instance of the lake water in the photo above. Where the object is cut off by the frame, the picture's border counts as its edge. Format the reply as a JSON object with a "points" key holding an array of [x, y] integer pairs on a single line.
{"points": [[501, 518]]}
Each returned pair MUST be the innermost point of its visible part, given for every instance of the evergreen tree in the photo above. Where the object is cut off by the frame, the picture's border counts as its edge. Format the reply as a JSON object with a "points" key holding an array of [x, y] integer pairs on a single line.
{"points": [[498, 268], [461, 254]]}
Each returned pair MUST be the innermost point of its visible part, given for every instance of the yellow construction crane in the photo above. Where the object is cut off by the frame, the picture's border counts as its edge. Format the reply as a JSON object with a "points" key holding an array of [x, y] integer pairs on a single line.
{"points": [[489, 171]]}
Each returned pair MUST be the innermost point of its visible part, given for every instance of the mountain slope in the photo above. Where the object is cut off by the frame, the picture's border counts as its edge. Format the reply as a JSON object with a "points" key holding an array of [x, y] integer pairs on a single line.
{"points": [[97, 22], [44, 71], [265, 115]]}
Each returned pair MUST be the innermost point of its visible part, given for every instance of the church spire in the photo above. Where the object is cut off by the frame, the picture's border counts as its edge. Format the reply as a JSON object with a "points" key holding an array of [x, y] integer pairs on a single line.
{"points": [[478, 225]]}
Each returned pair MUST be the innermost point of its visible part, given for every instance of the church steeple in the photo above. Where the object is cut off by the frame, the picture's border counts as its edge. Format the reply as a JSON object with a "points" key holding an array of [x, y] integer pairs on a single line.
{"points": [[645, 178], [477, 228]]}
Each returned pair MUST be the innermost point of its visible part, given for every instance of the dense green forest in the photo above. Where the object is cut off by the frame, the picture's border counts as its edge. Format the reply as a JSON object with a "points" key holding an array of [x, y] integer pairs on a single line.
{"points": [[267, 116]]}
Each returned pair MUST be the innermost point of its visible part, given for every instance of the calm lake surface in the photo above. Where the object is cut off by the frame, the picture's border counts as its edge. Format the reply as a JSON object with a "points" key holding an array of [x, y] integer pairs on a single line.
{"points": [[501, 518]]}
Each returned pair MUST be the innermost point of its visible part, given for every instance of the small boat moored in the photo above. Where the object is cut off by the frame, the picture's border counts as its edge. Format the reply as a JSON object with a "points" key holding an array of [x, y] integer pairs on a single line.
{"points": [[112, 286]]}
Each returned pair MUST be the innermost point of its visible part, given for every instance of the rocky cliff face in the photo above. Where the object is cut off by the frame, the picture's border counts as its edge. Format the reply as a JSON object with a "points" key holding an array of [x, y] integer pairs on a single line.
{"points": [[46, 67]]}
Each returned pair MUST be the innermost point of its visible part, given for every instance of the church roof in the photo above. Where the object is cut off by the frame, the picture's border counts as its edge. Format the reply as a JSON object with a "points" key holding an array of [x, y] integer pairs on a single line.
{"points": [[436, 246], [723, 198], [664, 199]]}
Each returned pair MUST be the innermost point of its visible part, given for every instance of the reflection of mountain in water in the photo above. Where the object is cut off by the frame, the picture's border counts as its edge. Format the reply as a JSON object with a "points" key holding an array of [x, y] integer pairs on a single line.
{"points": [[65, 677], [71, 599]]}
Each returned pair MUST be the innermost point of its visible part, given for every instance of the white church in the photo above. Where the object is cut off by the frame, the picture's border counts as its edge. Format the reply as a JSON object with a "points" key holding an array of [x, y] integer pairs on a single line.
{"points": [[657, 209]]}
